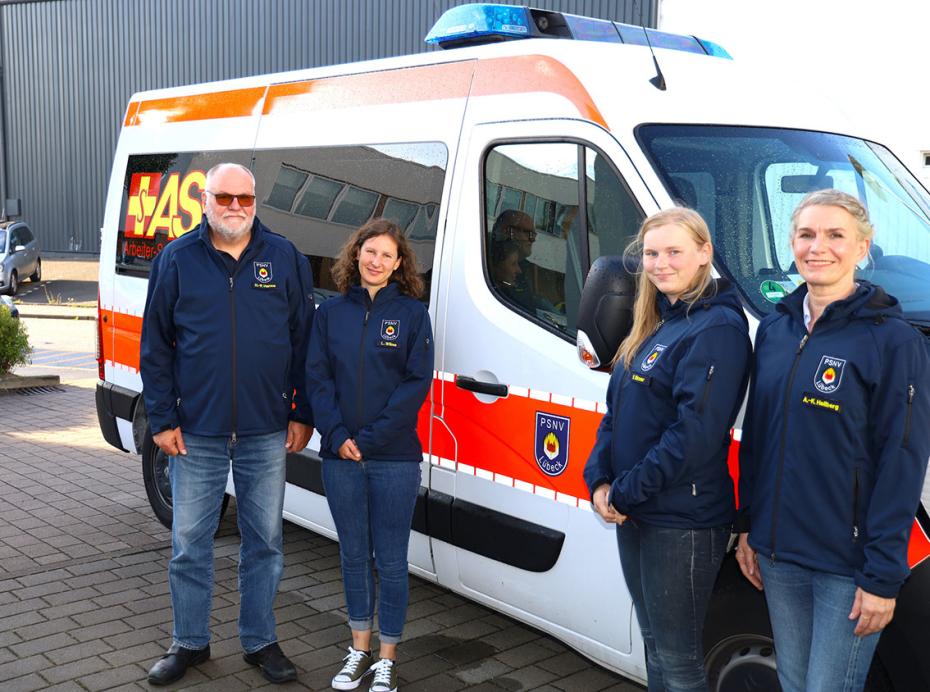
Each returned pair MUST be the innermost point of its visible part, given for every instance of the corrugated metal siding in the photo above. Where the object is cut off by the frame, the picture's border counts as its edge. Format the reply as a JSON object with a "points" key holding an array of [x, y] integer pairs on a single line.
{"points": [[69, 67]]}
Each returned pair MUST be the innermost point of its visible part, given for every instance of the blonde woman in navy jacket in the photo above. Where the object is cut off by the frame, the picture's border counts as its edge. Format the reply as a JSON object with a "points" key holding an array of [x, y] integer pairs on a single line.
{"points": [[369, 370], [833, 454], [659, 467]]}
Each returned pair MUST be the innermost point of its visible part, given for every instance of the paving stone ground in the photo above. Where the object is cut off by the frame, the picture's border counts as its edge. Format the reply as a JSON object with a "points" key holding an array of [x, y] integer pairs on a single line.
{"points": [[84, 596]]}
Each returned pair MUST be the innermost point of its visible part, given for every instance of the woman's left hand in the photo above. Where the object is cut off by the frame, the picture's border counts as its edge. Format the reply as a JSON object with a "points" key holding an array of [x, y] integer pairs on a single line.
{"points": [[874, 612]]}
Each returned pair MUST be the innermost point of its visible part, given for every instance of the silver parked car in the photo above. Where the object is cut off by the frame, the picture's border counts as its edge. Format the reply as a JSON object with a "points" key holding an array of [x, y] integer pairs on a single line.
{"points": [[19, 256]]}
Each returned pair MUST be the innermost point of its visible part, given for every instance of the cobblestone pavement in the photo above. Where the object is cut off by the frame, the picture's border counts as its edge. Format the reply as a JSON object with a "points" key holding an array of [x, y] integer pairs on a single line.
{"points": [[84, 596]]}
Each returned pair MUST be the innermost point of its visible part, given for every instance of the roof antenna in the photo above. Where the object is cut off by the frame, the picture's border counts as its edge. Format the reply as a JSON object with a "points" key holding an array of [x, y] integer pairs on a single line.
{"points": [[659, 80]]}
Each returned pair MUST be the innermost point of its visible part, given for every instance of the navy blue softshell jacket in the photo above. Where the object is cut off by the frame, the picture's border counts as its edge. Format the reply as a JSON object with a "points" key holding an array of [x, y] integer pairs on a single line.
{"points": [[222, 353], [836, 438], [369, 370], [662, 445]]}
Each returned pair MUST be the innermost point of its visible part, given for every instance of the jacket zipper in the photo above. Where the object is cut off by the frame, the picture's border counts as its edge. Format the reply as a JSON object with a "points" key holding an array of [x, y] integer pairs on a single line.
{"points": [[361, 371], [784, 433], [710, 374], [232, 311], [855, 531], [911, 391]]}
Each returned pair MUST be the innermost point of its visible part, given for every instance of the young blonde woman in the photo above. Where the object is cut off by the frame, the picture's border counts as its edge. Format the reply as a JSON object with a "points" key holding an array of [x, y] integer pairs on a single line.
{"points": [[833, 455], [369, 370], [659, 467]]}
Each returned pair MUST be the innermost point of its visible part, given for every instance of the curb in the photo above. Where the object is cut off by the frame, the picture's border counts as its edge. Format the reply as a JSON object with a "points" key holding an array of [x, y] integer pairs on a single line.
{"points": [[36, 315], [11, 383]]}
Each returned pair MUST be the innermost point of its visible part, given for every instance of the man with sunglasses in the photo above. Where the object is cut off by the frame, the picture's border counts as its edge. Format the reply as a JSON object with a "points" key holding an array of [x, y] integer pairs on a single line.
{"points": [[224, 340]]}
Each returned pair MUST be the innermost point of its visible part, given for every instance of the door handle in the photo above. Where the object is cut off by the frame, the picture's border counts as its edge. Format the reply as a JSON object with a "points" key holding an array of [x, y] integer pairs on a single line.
{"points": [[473, 385]]}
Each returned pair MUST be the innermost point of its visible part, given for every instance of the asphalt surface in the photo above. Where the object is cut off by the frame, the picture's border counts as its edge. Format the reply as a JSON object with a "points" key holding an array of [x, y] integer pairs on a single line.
{"points": [[65, 282], [83, 571]]}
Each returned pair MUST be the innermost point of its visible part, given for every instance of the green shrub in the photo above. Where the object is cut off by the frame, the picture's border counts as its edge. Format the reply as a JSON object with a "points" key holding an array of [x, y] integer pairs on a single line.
{"points": [[14, 342]]}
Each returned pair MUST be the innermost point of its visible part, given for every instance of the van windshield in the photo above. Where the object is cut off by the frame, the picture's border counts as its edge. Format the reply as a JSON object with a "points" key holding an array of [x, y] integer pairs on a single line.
{"points": [[747, 181], [2, 242]]}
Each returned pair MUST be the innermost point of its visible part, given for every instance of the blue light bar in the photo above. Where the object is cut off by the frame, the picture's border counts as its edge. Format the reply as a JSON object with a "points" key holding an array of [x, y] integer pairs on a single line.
{"points": [[467, 22], [478, 23], [714, 49]]}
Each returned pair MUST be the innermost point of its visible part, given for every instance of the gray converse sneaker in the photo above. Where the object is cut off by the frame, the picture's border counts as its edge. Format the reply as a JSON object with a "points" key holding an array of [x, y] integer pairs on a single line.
{"points": [[385, 679], [357, 665]]}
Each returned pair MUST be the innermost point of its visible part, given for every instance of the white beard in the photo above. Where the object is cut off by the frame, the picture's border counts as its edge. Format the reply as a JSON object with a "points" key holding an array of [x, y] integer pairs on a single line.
{"points": [[229, 233]]}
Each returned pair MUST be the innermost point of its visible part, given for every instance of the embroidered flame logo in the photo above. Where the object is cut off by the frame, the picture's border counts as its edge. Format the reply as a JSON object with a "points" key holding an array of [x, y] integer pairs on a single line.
{"points": [[829, 375], [263, 273], [389, 330], [551, 446], [652, 357]]}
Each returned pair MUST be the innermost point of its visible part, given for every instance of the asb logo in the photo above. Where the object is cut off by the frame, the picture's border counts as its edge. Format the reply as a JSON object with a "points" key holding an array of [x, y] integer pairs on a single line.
{"points": [[552, 433], [263, 272], [653, 356], [390, 329], [167, 205], [829, 374]]}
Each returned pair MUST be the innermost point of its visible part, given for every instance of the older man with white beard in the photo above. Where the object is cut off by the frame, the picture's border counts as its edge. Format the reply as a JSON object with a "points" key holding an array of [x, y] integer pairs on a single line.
{"points": [[224, 340]]}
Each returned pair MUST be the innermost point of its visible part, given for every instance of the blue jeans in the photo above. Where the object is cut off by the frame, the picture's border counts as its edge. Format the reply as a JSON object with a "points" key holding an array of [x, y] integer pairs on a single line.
{"points": [[670, 574], [198, 481], [814, 638], [372, 506]]}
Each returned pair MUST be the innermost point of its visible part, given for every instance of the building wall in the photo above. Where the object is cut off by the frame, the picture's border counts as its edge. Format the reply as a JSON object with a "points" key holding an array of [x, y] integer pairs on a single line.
{"points": [[68, 68]]}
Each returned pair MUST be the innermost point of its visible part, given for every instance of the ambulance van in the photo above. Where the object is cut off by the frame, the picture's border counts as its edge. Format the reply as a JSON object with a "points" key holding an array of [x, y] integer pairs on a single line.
{"points": [[586, 126]]}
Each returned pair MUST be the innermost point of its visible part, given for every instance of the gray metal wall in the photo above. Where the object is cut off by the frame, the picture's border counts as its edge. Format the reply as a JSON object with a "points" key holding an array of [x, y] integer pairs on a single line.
{"points": [[68, 68]]}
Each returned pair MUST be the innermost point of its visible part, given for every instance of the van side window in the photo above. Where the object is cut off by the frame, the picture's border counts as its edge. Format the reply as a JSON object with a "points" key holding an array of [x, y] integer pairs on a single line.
{"points": [[317, 197], [539, 240]]}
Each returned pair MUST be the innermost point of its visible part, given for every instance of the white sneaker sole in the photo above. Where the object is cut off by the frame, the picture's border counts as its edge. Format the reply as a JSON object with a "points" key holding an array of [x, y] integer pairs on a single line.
{"points": [[351, 685]]}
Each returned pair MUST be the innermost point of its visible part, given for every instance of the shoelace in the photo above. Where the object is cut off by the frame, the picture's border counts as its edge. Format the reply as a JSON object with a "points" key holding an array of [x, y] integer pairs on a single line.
{"points": [[382, 672], [352, 661]]}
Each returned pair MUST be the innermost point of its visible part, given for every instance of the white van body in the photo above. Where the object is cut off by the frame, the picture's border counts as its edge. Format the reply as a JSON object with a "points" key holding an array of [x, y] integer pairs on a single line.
{"points": [[472, 120]]}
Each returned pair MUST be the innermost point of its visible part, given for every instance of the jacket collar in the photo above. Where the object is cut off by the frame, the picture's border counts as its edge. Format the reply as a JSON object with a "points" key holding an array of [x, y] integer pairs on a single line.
{"points": [[868, 301], [360, 294]]}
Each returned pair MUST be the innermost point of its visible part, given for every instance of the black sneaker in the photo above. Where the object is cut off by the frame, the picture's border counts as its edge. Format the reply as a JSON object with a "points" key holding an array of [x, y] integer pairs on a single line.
{"points": [[357, 664], [175, 662], [275, 666], [385, 676]]}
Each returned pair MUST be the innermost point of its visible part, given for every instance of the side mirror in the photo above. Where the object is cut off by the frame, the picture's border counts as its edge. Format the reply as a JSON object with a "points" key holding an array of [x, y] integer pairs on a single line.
{"points": [[605, 312], [19, 248]]}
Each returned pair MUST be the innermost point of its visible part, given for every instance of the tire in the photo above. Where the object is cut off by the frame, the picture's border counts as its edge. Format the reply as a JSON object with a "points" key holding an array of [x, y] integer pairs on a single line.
{"points": [[36, 276], [739, 652], [14, 283], [158, 485]]}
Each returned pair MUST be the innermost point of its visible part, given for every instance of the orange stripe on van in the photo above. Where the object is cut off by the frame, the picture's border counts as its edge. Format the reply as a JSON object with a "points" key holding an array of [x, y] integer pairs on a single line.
{"points": [[235, 103], [492, 77], [534, 73], [122, 336], [918, 548], [405, 85]]}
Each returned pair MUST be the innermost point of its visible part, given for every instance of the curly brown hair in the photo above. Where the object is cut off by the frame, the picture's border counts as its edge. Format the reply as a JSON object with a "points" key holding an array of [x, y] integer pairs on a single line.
{"points": [[407, 277]]}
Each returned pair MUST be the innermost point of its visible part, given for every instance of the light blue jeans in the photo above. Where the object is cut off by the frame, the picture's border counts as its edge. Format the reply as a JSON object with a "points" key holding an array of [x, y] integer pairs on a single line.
{"points": [[372, 504], [814, 640], [198, 481]]}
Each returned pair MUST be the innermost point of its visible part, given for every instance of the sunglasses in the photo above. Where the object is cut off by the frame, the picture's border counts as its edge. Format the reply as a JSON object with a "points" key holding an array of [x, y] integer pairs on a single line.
{"points": [[224, 199]]}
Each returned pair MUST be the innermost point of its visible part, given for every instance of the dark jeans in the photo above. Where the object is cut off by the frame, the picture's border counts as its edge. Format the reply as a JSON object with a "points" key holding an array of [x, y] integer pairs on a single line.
{"points": [[372, 506], [670, 574]]}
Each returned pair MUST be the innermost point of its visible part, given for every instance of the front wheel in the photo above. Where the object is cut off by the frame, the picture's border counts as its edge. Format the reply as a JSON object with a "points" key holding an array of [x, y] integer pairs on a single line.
{"points": [[14, 283], [158, 483], [36, 276]]}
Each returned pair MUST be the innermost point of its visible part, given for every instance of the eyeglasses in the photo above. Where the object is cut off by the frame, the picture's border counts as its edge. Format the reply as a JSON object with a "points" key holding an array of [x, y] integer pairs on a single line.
{"points": [[530, 233], [224, 199]]}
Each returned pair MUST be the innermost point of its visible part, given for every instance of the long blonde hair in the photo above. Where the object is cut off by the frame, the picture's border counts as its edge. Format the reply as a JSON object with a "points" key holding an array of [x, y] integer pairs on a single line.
{"points": [[646, 309]]}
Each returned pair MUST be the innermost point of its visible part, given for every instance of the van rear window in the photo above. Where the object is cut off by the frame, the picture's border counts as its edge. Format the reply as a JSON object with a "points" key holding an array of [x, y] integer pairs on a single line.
{"points": [[161, 202]]}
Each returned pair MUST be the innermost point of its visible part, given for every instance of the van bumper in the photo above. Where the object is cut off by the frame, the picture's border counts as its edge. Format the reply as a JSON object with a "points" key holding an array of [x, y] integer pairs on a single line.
{"points": [[114, 402], [903, 646]]}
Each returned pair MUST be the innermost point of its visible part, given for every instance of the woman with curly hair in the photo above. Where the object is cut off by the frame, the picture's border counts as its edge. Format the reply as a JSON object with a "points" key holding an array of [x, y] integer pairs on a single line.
{"points": [[369, 370]]}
